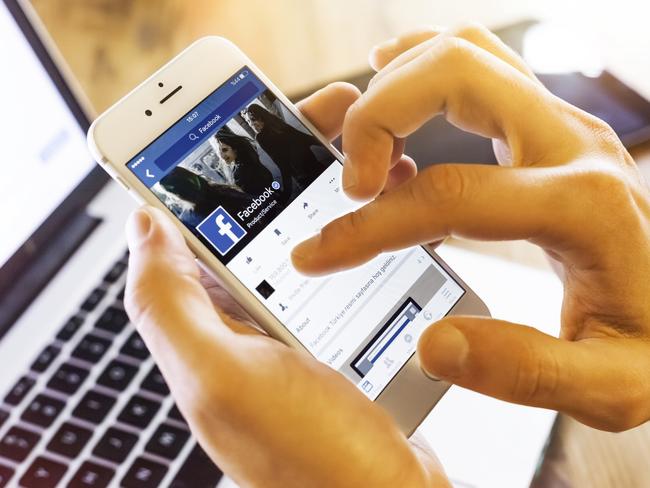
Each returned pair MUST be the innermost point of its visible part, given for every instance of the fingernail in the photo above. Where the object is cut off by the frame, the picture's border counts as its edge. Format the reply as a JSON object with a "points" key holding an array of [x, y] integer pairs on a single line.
{"points": [[387, 45], [139, 226], [349, 177], [446, 350]]}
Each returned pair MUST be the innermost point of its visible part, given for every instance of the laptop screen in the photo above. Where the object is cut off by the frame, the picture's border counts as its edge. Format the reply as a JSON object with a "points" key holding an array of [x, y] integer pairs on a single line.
{"points": [[44, 154]]}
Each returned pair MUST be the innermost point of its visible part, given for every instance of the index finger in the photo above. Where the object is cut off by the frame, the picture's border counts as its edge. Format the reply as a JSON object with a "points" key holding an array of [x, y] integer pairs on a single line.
{"points": [[476, 91], [473, 201]]}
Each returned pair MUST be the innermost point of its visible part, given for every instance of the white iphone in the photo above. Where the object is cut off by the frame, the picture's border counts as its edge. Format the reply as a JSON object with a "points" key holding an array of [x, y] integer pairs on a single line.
{"points": [[214, 144]]}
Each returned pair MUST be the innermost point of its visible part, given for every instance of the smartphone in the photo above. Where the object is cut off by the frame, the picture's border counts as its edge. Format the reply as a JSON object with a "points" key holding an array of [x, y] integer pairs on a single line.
{"points": [[214, 144]]}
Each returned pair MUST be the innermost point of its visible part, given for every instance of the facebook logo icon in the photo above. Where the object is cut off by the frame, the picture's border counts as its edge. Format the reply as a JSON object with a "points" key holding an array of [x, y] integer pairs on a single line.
{"points": [[221, 230]]}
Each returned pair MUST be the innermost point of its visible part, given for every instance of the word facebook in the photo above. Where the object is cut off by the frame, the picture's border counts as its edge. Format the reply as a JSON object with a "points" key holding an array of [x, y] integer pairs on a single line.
{"points": [[221, 230], [210, 123], [256, 203]]}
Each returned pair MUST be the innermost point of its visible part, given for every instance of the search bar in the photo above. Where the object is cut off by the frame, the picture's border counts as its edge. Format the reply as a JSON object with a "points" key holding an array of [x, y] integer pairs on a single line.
{"points": [[210, 122]]}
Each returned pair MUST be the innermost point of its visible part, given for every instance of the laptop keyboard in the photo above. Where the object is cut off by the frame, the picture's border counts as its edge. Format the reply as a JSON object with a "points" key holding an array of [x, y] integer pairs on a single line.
{"points": [[94, 410]]}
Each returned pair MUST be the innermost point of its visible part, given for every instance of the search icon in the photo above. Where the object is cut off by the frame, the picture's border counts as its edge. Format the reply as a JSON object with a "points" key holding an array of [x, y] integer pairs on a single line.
{"points": [[193, 137]]}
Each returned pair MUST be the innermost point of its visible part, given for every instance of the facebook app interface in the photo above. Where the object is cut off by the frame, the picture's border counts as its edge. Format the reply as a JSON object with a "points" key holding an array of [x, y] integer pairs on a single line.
{"points": [[251, 182]]}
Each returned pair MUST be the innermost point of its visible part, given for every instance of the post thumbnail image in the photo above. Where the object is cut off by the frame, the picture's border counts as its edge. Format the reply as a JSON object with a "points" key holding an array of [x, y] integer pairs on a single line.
{"points": [[262, 147]]}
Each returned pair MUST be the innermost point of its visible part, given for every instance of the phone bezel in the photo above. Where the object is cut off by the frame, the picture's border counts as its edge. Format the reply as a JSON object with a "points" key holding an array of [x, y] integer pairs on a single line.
{"points": [[124, 130]]}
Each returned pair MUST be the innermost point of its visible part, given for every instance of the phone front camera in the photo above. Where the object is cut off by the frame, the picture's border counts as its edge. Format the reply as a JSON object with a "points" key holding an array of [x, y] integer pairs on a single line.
{"points": [[160, 84], [148, 113]]}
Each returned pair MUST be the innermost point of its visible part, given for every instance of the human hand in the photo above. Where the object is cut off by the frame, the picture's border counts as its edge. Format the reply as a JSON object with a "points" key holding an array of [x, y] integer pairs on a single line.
{"points": [[565, 183], [268, 415]]}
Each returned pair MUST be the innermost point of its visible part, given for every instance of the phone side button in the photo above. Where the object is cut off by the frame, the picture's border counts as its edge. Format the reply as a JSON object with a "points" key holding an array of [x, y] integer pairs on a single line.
{"points": [[122, 183]]}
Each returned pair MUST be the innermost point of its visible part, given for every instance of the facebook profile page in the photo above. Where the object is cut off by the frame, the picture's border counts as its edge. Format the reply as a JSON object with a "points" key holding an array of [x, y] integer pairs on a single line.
{"points": [[251, 184]]}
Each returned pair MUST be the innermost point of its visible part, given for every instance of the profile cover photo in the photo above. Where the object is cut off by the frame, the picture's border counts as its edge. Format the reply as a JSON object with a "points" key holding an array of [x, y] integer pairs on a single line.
{"points": [[252, 167]]}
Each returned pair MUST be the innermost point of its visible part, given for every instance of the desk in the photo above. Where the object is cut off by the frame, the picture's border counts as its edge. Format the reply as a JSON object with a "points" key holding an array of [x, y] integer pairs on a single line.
{"points": [[113, 44]]}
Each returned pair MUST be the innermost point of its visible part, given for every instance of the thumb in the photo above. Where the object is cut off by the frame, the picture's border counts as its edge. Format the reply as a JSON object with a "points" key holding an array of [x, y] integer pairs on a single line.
{"points": [[164, 297], [522, 365]]}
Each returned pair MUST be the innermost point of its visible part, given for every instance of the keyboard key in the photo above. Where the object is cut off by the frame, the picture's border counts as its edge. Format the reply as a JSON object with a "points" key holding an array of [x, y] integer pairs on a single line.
{"points": [[17, 444], [19, 391], [91, 348], [120, 295], [93, 299], [4, 415], [117, 375], [69, 440], [43, 473], [45, 358], [43, 410], [6, 473], [155, 382], [70, 328], [94, 407], [144, 473], [91, 475], [167, 441], [135, 347], [197, 471], [139, 411], [115, 445], [68, 378], [115, 272], [175, 413], [113, 320]]}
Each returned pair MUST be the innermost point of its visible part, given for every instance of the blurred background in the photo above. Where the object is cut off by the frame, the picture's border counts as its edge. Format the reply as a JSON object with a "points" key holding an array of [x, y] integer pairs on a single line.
{"points": [[112, 45]]}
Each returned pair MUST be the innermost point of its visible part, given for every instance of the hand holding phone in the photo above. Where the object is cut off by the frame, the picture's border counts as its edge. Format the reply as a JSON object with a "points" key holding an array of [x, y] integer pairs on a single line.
{"points": [[161, 262], [244, 176], [248, 396], [566, 184]]}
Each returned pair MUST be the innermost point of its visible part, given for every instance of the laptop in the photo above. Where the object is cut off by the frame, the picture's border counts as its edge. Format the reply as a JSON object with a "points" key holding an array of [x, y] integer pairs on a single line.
{"points": [[82, 402]]}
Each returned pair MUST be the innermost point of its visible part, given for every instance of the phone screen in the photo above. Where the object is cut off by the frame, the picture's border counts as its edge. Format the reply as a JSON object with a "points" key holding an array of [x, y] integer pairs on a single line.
{"points": [[251, 181]]}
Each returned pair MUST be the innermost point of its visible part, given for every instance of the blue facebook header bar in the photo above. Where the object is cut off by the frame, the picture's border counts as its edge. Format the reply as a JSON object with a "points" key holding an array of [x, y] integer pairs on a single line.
{"points": [[207, 126], [162, 155]]}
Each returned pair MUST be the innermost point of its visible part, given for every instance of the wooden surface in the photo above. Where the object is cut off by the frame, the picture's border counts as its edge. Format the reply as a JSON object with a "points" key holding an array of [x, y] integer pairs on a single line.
{"points": [[111, 45]]}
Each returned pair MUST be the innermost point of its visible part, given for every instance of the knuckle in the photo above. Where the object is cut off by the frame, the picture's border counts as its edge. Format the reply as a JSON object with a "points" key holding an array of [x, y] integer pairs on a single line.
{"points": [[608, 189], [626, 411], [451, 50], [595, 132], [470, 30], [445, 186], [348, 226], [455, 58], [609, 185], [536, 377], [355, 223], [601, 129]]}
